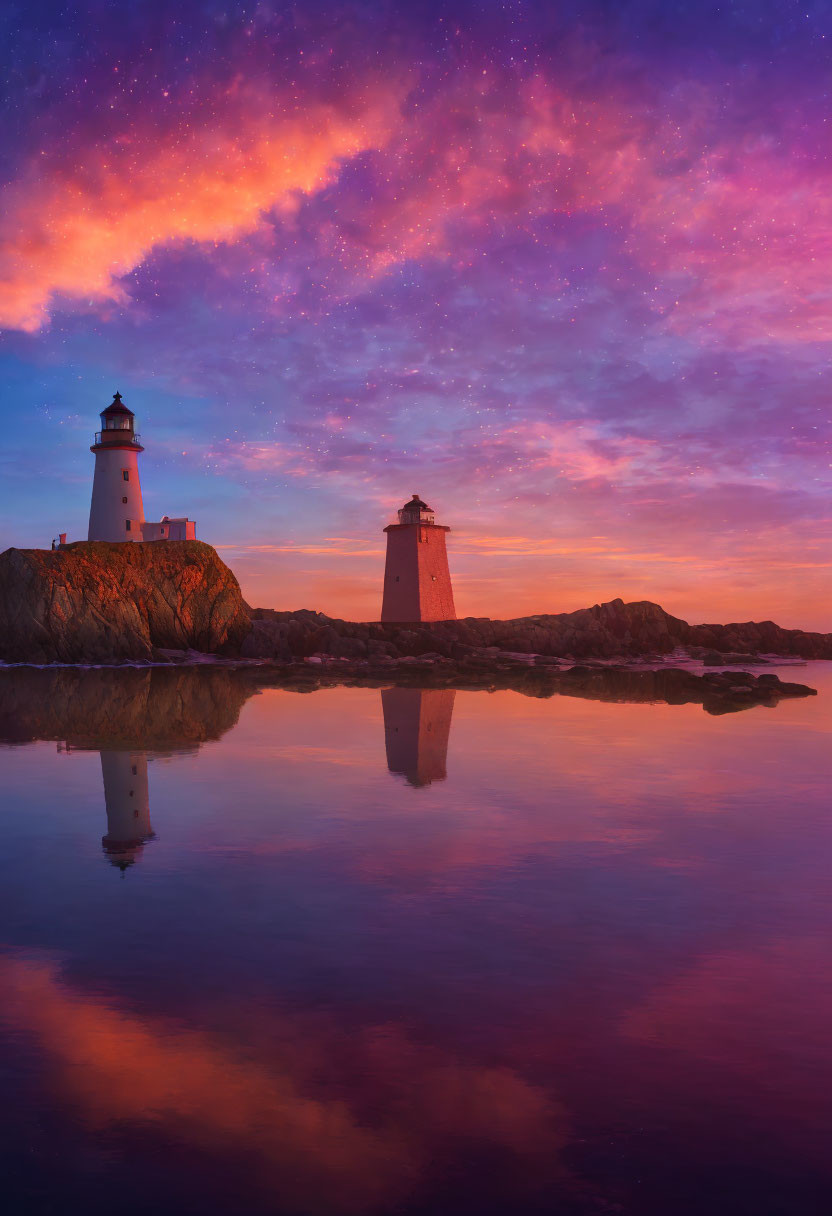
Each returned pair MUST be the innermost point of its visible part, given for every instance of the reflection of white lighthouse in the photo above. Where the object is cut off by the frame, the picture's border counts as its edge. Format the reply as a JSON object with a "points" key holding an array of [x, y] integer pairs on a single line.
{"points": [[128, 806], [116, 510]]}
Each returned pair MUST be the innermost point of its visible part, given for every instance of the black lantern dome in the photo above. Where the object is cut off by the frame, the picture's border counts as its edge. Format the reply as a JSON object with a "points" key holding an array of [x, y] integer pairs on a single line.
{"points": [[416, 504], [117, 426], [415, 511]]}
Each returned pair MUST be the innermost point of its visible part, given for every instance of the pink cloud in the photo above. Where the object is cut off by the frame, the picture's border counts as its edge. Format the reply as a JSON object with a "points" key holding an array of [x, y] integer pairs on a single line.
{"points": [[739, 235]]}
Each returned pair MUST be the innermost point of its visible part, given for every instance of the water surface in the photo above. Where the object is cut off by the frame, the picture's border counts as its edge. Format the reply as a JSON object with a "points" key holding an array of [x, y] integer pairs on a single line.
{"points": [[411, 951]]}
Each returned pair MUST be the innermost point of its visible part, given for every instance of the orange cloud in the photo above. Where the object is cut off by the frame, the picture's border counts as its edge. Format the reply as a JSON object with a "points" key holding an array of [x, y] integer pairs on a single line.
{"points": [[77, 230]]}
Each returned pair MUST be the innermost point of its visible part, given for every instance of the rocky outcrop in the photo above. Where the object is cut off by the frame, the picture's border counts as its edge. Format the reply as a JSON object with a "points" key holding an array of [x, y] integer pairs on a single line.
{"points": [[606, 631], [109, 603], [760, 637]]}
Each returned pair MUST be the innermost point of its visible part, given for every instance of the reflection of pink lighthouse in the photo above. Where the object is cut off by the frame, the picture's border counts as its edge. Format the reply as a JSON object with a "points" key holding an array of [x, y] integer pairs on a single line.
{"points": [[417, 724], [417, 582]]}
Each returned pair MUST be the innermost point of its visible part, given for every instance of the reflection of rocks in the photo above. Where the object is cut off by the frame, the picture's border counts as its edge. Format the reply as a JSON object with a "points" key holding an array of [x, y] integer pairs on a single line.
{"points": [[128, 806], [716, 692], [417, 723], [151, 708], [162, 709]]}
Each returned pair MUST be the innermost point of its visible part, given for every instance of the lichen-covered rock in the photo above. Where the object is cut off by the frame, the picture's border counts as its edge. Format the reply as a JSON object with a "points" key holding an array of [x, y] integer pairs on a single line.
{"points": [[93, 602]]}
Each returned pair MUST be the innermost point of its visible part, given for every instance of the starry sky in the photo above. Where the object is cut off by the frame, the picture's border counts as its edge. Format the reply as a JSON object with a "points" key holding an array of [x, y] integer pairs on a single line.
{"points": [[562, 268]]}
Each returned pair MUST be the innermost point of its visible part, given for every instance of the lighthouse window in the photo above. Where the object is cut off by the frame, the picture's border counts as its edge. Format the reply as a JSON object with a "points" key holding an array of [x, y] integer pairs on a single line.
{"points": [[127, 525], [125, 473], [124, 499]]}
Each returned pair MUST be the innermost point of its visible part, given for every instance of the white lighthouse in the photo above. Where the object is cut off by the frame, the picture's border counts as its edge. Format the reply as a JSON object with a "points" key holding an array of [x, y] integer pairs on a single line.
{"points": [[116, 510]]}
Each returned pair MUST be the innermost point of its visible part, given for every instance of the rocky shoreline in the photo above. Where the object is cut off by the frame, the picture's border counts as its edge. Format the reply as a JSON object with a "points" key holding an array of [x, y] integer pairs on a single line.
{"points": [[176, 601], [614, 630]]}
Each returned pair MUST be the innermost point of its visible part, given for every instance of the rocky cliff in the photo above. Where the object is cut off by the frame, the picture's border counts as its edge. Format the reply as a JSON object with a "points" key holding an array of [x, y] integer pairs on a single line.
{"points": [[108, 603]]}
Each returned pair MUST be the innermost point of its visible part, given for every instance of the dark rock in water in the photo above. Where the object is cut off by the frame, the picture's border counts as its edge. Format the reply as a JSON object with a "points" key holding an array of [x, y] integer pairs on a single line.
{"points": [[109, 603], [729, 691]]}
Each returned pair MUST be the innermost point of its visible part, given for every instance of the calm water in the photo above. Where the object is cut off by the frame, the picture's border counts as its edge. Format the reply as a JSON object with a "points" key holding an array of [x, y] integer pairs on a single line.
{"points": [[392, 951]]}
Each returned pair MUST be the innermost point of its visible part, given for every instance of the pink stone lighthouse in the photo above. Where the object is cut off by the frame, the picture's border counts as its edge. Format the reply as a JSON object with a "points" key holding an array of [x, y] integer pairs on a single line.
{"points": [[417, 582]]}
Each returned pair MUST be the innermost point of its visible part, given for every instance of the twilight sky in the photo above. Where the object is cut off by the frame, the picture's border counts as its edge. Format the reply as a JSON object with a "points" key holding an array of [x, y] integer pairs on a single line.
{"points": [[565, 269]]}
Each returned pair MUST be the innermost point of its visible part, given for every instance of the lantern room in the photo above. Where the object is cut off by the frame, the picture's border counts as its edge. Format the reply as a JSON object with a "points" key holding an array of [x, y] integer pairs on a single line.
{"points": [[117, 426], [416, 512]]}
